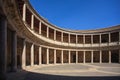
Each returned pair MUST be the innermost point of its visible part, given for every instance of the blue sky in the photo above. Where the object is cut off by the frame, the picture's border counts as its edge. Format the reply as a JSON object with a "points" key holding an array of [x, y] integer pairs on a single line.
{"points": [[79, 14]]}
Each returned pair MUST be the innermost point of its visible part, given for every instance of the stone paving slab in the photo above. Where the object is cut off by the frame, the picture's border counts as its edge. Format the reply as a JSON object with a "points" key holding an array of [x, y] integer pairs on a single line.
{"points": [[69, 72]]}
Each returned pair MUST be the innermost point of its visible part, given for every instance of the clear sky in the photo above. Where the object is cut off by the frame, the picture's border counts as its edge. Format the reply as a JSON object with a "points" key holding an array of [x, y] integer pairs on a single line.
{"points": [[79, 14]]}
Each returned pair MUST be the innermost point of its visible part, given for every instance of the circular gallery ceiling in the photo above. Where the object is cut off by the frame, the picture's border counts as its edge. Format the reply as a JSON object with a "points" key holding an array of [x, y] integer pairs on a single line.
{"points": [[79, 14]]}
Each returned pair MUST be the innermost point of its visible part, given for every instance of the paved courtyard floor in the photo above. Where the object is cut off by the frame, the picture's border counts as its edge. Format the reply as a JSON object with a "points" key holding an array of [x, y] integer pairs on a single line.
{"points": [[70, 72]]}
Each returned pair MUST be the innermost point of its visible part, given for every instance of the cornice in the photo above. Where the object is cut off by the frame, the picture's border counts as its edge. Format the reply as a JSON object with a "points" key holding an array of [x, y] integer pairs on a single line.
{"points": [[109, 29]]}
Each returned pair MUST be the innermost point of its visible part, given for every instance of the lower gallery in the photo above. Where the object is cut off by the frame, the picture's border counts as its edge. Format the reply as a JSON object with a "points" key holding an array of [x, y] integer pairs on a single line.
{"points": [[28, 40]]}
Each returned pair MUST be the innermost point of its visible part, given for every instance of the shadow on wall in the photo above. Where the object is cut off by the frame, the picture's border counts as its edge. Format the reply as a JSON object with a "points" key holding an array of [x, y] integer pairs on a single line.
{"points": [[25, 75]]}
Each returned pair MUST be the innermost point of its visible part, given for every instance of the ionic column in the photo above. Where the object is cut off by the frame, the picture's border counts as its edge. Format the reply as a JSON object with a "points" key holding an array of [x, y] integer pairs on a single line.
{"points": [[68, 38], [3, 47], [32, 22], [24, 12], [47, 32], [62, 37], [109, 56], [91, 56], [109, 38], [62, 56], [54, 56], [83, 56], [76, 56], [40, 27], [91, 39], [83, 39], [24, 54], [40, 51], [47, 55], [100, 56], [32, 54], [100, 39], [14, 52], [69, 56], [76, 39], [54, 34]]}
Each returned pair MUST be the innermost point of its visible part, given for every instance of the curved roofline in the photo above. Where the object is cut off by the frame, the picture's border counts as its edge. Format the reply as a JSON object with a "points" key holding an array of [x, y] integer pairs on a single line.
{"points": [[68, 30]]}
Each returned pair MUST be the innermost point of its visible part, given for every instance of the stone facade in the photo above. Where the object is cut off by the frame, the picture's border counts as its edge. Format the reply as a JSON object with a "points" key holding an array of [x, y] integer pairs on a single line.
{"points": [[27, 39]]}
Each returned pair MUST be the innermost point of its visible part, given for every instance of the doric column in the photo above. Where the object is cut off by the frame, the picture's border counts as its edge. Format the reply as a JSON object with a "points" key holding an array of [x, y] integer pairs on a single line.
{"points": [[54, 56], [83, 56], [24, 12], [69, 56], [54, 34], [32, 22], [24, 54], [3, 47], [32, 54], [14, 52], [109, 56], [91, 56], [76, 56], [47, 55], [47, 32], [40, 51], [100, 56], [40, 27], [62, 56]]}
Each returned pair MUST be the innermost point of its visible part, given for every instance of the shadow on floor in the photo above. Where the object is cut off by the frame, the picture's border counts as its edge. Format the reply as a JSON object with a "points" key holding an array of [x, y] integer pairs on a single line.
{"points": [[37, 76]]}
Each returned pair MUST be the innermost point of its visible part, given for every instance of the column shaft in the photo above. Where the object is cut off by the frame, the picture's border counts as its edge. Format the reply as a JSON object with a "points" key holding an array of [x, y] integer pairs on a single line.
{"points": [[91, 56], [119, 55], [54, 34], [32, 22], [54, 56], [69, 38], [83, 39], [100, 56], [47, 56], [109, 56], [32, 54], [40, 27], [61, 36], [69, 57], [83, 56], [76, 56], [40, 51], [24, 54], [109, 37], [24, 12], [47, 32], [3, 47], [62, 56], [14, 52], [76, 39]]}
